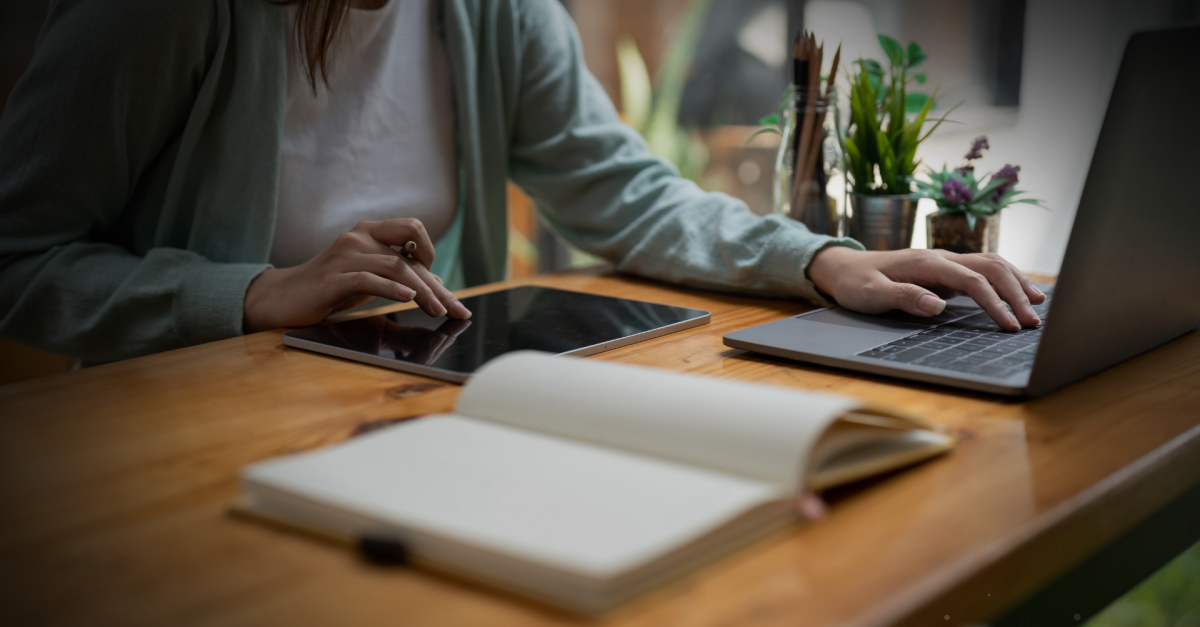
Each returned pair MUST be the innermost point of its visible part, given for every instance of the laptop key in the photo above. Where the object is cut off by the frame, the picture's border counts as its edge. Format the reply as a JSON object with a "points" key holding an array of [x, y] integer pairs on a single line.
{"points": [[911, 354], [936, 359]]}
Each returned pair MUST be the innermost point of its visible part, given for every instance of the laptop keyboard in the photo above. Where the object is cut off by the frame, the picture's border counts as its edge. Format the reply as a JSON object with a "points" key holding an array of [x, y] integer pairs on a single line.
{"points": [[973, 345]]}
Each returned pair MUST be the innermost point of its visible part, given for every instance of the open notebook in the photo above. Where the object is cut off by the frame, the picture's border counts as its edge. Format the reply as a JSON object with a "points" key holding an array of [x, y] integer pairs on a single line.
{"points": [[584, 483]]}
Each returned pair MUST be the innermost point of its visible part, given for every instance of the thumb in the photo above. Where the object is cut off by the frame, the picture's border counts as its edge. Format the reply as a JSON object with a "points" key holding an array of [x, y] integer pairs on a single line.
{"points": [[914, 299]]}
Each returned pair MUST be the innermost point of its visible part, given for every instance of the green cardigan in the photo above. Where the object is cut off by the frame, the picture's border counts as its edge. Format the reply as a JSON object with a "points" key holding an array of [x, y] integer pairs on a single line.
{"points": [[139, 168]]}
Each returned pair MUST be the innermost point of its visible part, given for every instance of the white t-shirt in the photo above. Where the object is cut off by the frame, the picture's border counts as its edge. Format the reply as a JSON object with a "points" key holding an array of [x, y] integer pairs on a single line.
{"points": [[377, 143]]}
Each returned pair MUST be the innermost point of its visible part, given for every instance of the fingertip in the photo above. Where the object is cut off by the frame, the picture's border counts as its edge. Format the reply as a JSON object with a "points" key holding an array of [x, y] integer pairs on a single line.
{"points": [[931, 305], [460, 311], [404, 293]]}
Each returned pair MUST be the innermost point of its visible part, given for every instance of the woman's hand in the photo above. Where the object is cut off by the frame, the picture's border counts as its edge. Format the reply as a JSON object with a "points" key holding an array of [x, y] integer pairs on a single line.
{"points": [[916, 281], [358, 266]]}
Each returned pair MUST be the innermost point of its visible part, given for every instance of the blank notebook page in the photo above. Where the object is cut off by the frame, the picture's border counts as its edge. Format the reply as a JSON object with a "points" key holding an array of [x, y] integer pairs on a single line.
{"points": [[571, 506]]}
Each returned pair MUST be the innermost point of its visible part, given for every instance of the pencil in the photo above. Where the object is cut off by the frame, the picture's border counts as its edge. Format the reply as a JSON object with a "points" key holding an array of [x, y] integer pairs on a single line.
{"points": [[809, 101], [814, 151]]}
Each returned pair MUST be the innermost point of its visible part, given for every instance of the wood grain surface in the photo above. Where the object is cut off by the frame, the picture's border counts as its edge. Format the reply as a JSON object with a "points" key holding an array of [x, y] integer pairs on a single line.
{"points": [[117, 482]]}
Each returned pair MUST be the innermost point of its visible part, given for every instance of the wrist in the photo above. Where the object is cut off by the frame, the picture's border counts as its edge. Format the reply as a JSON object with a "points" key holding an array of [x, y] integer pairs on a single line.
{"points": [[256, 305], [823, 269]]}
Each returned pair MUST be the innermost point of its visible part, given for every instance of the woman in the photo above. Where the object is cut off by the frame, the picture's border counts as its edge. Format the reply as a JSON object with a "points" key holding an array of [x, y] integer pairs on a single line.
{"points": [[170, 177]]}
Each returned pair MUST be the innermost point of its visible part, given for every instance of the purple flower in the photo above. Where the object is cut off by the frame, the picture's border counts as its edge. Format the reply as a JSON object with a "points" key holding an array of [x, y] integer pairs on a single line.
{"points": [[956, 192], [1009, 173], [977, 147]]}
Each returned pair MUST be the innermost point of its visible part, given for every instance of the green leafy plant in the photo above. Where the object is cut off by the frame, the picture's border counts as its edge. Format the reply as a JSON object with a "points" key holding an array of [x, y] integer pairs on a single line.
{"points": [[960, 191], [654, 110], [887, 121]]}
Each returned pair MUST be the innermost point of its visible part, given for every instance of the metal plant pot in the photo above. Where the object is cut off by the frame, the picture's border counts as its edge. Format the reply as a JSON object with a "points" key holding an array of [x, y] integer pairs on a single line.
{"points": [[882, 222]]}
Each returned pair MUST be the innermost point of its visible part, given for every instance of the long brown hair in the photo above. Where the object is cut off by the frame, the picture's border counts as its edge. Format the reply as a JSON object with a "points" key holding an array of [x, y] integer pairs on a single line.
{"points": [[317, 28]]}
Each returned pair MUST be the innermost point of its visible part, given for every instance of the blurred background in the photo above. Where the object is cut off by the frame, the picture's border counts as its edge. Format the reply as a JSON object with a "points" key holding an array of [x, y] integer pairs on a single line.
{"points": [[696, 76]]}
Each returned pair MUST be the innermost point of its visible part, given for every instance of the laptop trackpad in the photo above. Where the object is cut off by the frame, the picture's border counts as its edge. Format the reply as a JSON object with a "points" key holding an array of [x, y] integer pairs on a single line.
{"points": [[894, 320]]}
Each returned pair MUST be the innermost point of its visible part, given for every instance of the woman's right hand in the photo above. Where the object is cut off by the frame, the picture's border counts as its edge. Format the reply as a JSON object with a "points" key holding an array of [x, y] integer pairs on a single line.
{"points": [[360, 264]]}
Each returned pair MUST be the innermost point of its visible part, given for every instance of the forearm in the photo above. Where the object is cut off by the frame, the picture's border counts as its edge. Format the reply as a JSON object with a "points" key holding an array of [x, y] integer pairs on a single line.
{"points": [[676, 232]]}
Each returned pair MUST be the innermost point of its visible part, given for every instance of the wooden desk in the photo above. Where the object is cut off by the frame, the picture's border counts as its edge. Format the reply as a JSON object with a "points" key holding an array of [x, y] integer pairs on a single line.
{"points": [[116, 483]]}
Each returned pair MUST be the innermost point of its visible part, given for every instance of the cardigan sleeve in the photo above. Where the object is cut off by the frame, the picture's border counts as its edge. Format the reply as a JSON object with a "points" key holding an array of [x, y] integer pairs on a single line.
{"points": [[93, 126], [602, 190]]}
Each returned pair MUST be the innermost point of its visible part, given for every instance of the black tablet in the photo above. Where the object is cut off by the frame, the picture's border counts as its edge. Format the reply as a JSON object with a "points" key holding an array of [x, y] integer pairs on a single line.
{"points": [[521, 318]]}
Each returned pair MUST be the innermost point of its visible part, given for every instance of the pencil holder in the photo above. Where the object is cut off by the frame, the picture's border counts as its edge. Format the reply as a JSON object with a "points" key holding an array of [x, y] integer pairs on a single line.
{"points": [[806, 158]]}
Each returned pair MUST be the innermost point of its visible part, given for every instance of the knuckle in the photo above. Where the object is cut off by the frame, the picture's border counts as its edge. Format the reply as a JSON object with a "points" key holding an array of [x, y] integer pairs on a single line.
{"points": [[422, 290], [922, 255], [976, 279], [996, 265], [876, 288], [358, 281], [910, 295], [364, 225]]}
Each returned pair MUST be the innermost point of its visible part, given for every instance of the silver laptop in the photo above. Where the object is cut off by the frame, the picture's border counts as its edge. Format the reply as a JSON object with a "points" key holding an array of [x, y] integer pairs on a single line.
{"points": [[1130, 280]]}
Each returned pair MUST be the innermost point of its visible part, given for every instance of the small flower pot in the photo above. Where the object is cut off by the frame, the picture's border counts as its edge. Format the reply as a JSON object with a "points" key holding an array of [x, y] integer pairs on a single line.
{"points": [[882, 222], [950, 231]]}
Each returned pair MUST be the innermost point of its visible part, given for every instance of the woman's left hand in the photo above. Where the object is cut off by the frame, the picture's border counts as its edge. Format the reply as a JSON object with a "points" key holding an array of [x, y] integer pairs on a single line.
{"points": [[917, 281]]}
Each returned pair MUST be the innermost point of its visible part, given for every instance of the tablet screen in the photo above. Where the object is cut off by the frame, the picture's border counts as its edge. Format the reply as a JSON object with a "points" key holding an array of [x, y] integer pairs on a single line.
{"points": [[521, 318]]}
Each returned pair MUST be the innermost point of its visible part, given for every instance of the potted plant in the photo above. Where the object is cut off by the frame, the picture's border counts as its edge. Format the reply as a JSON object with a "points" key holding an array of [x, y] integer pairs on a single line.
{"points": [[879, 145], [968, 215]]}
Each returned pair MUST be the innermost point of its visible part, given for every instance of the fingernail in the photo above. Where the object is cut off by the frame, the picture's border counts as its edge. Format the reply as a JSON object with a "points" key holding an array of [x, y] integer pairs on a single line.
{"points": [[1038, 318], [931, 304], [460, 311], [1012, 321], [439, 309], [405, 293]]}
